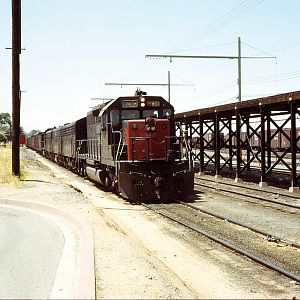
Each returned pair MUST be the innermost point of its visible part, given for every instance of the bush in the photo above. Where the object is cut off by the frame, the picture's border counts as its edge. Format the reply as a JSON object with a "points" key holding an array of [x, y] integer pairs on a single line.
{"points": [[2, 137]]}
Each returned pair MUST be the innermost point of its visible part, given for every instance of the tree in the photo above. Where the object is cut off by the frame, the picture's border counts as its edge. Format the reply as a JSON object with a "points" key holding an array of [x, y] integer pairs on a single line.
{"points": [[2, 137], [5, 122], [33, 132]]}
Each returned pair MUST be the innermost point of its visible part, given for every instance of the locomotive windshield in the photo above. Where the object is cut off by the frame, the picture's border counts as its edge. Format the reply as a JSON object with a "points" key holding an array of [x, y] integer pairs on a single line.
{"points": [[167, 113], [150, 113], [130, 114]]}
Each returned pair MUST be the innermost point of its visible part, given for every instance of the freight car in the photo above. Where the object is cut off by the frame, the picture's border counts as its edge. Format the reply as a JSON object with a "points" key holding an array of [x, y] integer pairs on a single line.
{"points": [[129, 145], [36, 142], [280, 140]]}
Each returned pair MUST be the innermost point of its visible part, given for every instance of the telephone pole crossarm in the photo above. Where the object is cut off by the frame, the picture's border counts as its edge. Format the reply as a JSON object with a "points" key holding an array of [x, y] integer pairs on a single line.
{"points": [[203, 56], [149, 84], [153, 84], [238, 57]]}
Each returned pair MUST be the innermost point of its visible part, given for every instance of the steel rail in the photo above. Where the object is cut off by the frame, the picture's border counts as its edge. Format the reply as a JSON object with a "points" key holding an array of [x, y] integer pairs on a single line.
{"points": [[250, 196], [285, 194], [230, 246], [257, 230]]}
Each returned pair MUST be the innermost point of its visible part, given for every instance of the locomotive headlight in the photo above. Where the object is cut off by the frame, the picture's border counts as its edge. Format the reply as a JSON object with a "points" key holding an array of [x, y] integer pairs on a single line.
{"points": [[143, 104], [148, 129], [143, 99], [153, 128]]}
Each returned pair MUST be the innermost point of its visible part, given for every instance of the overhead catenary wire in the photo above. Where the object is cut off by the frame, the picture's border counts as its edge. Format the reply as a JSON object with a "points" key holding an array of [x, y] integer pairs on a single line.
{"points": [[220, 22], [200, 48], [262, 51], [279, 77]]}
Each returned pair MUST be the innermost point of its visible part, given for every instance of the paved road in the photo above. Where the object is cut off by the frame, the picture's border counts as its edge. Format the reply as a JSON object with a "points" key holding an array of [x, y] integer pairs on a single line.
{"points": [[30, 251]]}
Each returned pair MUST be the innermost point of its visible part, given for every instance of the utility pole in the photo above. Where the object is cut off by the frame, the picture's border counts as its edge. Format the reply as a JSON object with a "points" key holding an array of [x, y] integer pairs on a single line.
{"points": [[239, 70], [238, 57], [152, 84], [16, 51], [169, 87]]}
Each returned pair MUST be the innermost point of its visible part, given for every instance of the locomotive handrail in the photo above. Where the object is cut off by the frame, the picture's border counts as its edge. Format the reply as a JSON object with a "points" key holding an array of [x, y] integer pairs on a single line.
{"points": [[119, 144], [119, 151], [187, 146]]}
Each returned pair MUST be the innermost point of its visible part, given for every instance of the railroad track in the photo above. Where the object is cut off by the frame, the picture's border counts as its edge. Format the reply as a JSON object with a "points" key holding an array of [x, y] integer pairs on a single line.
{"points": [[247, 191], [268, 235], [231, 242]]}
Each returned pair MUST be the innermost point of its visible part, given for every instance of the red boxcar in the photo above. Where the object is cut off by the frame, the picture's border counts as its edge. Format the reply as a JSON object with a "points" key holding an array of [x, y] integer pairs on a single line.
{"points": [[22, 139]]}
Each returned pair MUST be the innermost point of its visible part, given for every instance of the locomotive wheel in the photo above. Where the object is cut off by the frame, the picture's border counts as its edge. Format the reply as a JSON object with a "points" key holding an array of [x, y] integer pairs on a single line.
{"points": [[108, 183]]}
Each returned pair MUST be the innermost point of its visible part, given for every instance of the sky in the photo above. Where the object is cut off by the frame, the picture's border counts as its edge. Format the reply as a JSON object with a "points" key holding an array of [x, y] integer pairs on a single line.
{"points": [[74, 47]]}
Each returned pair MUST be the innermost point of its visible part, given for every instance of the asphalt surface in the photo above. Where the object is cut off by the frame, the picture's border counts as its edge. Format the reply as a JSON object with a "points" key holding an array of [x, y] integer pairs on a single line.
{"points": [[30, 251]]}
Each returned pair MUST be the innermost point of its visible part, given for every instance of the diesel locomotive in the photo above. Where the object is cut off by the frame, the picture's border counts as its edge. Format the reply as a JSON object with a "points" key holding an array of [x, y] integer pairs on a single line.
{"points": [[129, 145]]}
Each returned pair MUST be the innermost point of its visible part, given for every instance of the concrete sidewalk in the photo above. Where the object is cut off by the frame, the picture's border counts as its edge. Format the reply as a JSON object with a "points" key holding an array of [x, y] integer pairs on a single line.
{"points": [[49, 251], [45, 251]]}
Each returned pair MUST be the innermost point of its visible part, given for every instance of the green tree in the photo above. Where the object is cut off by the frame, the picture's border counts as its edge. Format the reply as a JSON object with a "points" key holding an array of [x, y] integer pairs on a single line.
{"points": [[2, 137], [5, 122], [33, 132]]}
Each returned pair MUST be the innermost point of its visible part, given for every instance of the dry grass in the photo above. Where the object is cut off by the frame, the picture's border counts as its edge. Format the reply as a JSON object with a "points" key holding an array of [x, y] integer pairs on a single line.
{"points": [[6, 176]]}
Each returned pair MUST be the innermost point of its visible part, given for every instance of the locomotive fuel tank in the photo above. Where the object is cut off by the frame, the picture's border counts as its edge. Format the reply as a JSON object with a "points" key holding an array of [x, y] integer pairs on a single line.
{"points": [[97, 175]]}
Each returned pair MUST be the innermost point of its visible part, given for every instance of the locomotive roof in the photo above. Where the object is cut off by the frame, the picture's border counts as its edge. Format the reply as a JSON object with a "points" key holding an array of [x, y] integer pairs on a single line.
{"points": [[101, 108]]}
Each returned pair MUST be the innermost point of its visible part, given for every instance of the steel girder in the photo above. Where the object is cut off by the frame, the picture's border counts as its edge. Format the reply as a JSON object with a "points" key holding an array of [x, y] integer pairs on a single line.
{"points": [[261, 134]]}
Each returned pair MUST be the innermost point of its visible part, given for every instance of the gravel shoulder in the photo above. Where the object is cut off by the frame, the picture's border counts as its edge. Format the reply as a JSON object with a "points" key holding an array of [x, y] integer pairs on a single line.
{"points": [[140, 255], [279, 220]]}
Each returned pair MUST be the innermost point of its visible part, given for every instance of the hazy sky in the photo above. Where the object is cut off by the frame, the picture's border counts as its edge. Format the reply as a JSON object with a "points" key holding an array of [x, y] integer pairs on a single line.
{"points": [[73, 47]]}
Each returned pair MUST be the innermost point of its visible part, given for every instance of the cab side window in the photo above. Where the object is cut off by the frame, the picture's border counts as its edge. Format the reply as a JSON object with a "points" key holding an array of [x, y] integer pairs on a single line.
{"points": [[103, 121], [114, 118]]}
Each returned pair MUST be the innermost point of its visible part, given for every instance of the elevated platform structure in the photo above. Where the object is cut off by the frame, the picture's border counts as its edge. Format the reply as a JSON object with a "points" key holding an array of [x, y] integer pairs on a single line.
{"points": [[258, 134]]}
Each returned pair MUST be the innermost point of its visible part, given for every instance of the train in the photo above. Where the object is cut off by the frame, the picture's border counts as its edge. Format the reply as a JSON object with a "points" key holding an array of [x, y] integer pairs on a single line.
{"points": [[128, 144]]}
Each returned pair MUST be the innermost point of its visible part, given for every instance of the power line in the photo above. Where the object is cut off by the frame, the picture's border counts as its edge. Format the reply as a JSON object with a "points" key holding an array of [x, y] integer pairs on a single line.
{"points": [[262, 51], [220, 22], [279, 77], [199, 48], [150, 84], [238, 57], [210, 71], [287, 46], [217, 91]]}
